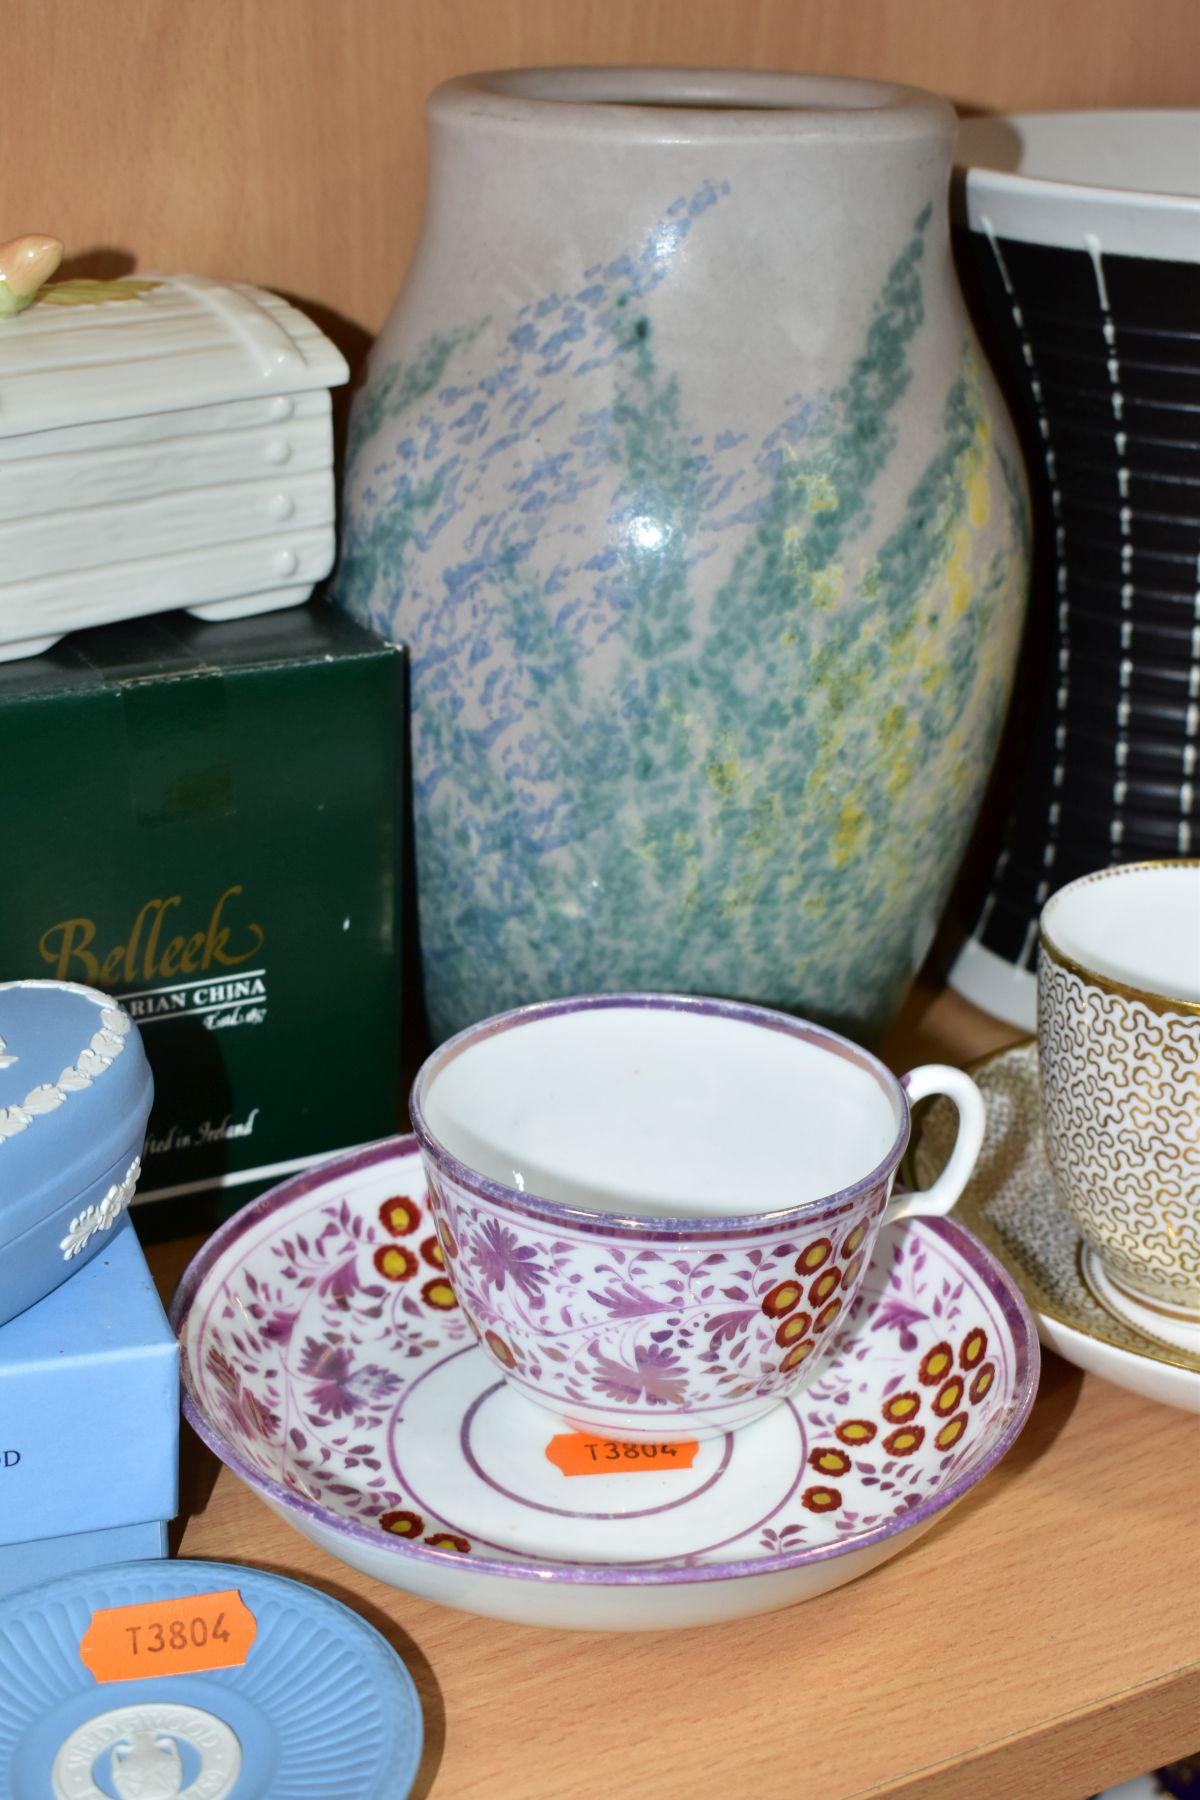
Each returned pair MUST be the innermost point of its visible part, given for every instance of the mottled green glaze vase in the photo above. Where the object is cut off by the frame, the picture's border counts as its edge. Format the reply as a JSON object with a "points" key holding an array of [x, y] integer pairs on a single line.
{"points": [[681, 474]]}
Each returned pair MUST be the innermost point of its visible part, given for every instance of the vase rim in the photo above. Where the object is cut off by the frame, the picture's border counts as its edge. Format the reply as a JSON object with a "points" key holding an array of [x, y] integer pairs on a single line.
{"points": [[683, 105]]}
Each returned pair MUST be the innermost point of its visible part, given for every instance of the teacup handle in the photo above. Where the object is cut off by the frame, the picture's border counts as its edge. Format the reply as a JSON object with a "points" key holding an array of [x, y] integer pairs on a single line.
{"points": [[940, 1078]]}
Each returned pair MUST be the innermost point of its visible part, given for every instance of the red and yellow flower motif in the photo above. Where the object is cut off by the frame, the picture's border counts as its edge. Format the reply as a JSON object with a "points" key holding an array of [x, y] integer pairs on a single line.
{"points": [[782, 1298], [901, 1407], [827, 1460], [856, 1431], [827, 1315], [402, 1523], [850, 1272], [982, 1382], [793, 1327], [431, 1250], [950, 1433], [948, 1396], [796, 1356], [904, 1440], [812, 1258], [446, 1540], [855, 1238], [439, 1294], [500, 1350], [821, 1499], [935, 1365], [400, 1215], [973, 1347], [824, 1285], [395, 1262]]}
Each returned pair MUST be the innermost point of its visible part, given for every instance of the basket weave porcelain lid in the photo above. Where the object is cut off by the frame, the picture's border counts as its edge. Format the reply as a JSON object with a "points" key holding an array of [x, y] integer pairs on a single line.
{"points": [[75, 1093], [165, 442], [86, 352]]}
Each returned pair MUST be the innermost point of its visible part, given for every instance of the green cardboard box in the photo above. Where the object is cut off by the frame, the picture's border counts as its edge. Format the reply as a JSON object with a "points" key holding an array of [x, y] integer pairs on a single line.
{"points": [[205, 820]]}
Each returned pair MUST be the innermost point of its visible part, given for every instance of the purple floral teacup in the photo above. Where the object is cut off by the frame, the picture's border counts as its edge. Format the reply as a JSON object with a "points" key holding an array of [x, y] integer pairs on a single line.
{"points": [[654, 1209]]}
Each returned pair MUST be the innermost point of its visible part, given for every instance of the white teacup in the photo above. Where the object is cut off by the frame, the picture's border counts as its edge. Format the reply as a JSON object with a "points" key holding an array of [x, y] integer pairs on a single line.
{"points": [[1119, 1055], [655, 1209]]}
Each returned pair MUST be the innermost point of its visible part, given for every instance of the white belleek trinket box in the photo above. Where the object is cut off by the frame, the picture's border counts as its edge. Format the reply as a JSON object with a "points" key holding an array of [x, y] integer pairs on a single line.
{"points": [[164, 442]]}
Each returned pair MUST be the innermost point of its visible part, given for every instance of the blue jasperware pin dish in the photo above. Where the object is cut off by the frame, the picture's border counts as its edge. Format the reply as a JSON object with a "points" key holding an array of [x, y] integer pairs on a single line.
{"points": [[75, 1094], [201, 1681]]}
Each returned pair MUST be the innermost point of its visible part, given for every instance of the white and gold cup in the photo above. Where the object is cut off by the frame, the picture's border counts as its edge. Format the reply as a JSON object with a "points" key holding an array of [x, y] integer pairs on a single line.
{"points": [[1119, 1055]]}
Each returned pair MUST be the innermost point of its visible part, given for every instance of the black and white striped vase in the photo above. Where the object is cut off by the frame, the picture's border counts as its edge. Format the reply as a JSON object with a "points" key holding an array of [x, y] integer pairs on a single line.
{"points": [[1083, 245]]}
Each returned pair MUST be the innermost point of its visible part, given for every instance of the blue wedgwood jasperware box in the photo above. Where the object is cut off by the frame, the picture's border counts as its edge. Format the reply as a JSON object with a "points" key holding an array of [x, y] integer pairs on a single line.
{"points": [[75, 1093], [89, 1420]]}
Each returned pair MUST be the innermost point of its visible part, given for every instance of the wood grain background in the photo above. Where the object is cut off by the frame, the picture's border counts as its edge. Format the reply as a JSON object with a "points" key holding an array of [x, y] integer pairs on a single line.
{"points": [[282, 141]]}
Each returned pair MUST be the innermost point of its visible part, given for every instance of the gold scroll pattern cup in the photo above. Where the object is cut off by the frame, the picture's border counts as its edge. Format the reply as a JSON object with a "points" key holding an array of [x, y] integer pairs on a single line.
{"points": [[1119, 1056]]}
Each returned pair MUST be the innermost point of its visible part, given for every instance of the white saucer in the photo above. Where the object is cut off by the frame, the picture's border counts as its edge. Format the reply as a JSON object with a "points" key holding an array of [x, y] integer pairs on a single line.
{"points": [[326, 1361], [1012, 1204], [1165, 1328]]}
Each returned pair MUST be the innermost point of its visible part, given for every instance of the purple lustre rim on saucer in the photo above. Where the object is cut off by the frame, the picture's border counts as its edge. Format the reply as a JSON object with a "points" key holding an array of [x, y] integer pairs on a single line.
{"points": [[669, 1572], [652, 1229]]}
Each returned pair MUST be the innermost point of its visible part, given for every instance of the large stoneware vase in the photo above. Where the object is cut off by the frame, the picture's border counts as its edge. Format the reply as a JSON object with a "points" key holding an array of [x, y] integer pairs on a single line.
{"points": [[681, 475]]}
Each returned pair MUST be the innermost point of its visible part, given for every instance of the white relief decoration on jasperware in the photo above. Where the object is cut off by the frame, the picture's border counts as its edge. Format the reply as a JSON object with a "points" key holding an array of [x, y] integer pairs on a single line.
{"points": [[6, 1062], [135, 1751], [103, 1214], [104, 1048]]}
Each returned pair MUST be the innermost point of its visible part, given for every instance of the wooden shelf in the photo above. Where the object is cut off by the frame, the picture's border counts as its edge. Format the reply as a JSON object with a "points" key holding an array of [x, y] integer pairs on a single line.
{"points": [[1038, 1644]]}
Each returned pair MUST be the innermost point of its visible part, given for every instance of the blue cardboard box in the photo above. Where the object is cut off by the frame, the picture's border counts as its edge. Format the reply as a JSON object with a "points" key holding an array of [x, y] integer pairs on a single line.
{"points": [[45, 1559], [89, 1414]]}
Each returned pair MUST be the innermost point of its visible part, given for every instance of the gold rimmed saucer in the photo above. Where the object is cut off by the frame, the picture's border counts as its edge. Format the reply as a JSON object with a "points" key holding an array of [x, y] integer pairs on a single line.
{"points": [[1012, 1205], [1174, 1330]]}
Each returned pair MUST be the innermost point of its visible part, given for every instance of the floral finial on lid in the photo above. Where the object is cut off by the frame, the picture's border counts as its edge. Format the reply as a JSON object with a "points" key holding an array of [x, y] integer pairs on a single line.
{"points": [[25, 263]]}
